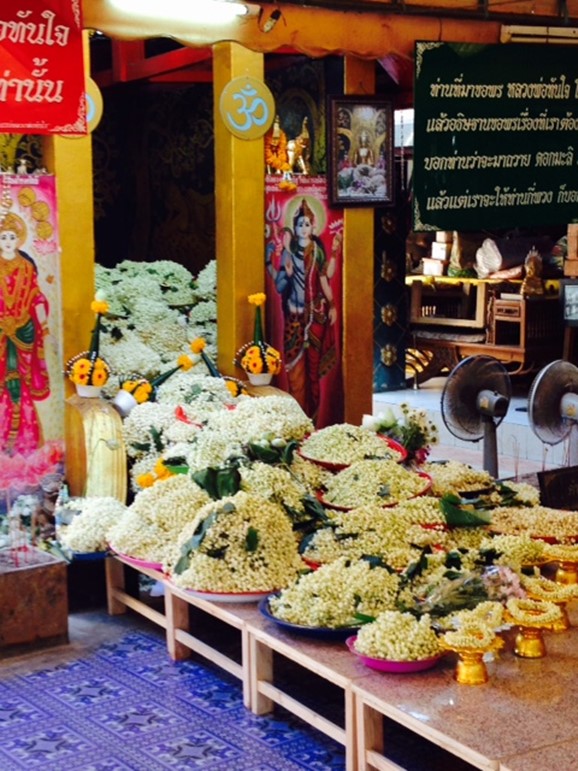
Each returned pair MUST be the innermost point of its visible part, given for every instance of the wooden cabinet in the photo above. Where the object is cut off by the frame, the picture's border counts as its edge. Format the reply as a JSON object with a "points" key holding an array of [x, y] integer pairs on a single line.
{"points": [[454, 318]]}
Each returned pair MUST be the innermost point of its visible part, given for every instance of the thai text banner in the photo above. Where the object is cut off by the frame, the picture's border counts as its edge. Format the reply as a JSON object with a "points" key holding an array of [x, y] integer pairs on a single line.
{"points": [[42, 84], [496, 136]]}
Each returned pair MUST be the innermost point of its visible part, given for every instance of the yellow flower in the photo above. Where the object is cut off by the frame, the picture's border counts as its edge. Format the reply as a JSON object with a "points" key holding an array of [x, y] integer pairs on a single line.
{"points": [[145, 480], [142, 392], [80, 367], [257, 299], [198, 345], [161, 471], [99, 377], [184, 362], [99, 306]]}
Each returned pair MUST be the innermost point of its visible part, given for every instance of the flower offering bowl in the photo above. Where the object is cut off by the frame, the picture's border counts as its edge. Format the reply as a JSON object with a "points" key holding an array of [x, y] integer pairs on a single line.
{"points": [[529, 643], [471, 668]]}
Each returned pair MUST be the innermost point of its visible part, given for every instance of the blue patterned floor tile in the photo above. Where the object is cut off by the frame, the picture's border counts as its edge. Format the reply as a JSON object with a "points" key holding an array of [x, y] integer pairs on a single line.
{"points": [[199, 749], [46, 747], [127, 707], [16, 712]]}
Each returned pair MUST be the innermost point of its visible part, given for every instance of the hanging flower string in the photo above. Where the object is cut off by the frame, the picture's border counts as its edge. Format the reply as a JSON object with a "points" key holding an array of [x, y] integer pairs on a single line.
{"points": [[88, 368], [258, 357]]}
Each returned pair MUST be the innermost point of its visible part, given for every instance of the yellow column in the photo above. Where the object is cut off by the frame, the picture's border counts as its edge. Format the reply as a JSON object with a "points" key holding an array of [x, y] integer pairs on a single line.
{"points": [[240, 217], [359, 78], [70, 160]]}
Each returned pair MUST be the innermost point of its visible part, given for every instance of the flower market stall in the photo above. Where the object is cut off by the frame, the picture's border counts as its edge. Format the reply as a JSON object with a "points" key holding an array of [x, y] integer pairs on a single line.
{"points": [[343, 549]]}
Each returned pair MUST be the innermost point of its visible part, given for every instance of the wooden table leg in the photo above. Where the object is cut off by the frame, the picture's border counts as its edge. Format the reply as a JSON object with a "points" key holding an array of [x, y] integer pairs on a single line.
{"points": [[115, 580]]}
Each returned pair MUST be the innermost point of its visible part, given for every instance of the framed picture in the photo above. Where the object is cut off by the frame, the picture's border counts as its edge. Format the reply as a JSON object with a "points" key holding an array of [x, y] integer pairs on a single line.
{"points": [[360, 148]]}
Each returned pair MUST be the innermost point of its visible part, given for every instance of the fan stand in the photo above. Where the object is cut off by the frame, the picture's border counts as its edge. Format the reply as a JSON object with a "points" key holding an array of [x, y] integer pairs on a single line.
{"points": [[490, 446], [573, 445]]}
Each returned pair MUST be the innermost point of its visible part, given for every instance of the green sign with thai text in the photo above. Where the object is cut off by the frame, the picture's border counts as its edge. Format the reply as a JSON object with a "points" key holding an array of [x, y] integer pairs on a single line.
{"points": [[496, 136]]}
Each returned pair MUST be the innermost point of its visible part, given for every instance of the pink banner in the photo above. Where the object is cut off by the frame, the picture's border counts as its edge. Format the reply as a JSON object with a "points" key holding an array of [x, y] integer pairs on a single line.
{"points": [[304, 309], [31, 380], [42, 82]]}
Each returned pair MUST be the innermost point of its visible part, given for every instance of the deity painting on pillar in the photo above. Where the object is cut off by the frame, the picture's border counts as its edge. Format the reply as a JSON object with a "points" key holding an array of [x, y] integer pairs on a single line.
{"points": [[304, 310], [31, 383]]}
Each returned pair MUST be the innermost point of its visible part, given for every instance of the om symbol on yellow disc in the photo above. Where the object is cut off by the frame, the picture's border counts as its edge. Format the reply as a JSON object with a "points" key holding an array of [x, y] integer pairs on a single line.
{"points": [[247, 107]]}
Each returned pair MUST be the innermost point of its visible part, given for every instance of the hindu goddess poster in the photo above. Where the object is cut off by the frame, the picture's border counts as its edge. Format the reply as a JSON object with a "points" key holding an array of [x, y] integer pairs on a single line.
{"points": [[31, 380], [304, 254]]}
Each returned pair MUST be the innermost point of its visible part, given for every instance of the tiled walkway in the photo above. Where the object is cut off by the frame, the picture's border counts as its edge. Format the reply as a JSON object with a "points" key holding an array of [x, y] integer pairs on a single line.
{"points": [[112, 701]]}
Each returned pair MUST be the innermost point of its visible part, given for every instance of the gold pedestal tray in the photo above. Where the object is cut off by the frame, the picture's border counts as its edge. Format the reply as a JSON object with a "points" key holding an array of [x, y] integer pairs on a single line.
{"points": [[530, 638], [471, 668], [563, 624], [567, 572]]}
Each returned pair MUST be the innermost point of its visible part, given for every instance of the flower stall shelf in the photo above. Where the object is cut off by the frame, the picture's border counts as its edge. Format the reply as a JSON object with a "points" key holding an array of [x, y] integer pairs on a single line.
{"points": [[33, 598]]}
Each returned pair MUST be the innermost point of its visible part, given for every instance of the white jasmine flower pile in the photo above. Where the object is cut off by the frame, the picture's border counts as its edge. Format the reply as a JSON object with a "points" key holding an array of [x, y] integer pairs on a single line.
{"points": [[87, 531], [455, 477], [254, 418], [396, 636], [331, 596], [203, 393], [365, 530], [537, 521], [150, 526], [211, 449], [144, 427], [240, 543], [155, 310], [344, 444], [274, 483], [382, 482], [516, 551]]}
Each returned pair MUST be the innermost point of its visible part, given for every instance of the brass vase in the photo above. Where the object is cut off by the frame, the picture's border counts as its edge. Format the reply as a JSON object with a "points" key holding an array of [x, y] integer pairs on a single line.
{"points": [[471, 668], [567, 572], [530, 642]]}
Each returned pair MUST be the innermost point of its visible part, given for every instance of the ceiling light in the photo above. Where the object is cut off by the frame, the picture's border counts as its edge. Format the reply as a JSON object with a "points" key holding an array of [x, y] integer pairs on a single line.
{"points": [[186, 11]]}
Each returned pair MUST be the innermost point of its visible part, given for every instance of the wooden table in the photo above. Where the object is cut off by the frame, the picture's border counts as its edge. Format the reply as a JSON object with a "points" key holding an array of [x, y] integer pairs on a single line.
{"points": [[524, 719]]}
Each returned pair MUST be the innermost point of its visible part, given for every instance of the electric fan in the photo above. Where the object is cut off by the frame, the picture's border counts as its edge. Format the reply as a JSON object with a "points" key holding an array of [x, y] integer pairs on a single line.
{"points": [[475, 400], [553, 406]]}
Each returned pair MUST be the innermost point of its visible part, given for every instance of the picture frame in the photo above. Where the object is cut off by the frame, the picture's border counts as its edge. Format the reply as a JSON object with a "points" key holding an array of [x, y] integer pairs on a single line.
{"points": [[360, 151]]}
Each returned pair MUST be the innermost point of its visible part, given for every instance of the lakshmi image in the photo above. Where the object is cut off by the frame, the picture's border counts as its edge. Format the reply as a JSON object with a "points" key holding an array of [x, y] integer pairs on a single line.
{"points": [[23, 324], [309, 313]]}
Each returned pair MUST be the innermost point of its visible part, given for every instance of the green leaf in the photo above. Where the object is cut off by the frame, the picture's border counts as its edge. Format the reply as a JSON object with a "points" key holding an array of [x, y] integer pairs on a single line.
{"points": [[252, 539], [227, 481], [384, 491], [206, 478], [289, 452], [264, 454], [462, 515], [156, 436], [141, 446], [177, 469], [363, 618], [453, 560], [314, 507], [377, 562], [305, 542], [182, 564], [416, 568], [201, 530]]}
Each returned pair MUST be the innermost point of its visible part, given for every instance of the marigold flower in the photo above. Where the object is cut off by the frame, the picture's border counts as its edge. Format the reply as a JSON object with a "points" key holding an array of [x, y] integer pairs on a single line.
{"points": [[99, 306], [198, 345], [99, 377], [145, 480], [257, 299]]}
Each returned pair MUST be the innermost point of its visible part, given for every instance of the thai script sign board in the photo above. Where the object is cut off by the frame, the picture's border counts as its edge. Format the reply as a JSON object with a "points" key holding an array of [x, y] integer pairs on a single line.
{"points": [[42, 85], [496, 136]]}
